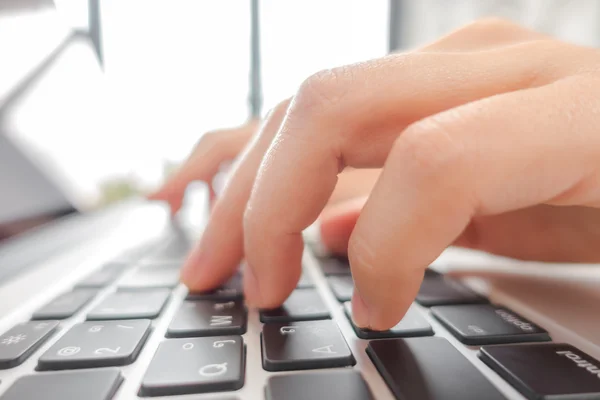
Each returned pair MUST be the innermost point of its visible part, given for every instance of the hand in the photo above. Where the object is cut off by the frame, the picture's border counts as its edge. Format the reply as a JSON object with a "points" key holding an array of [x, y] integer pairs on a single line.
{"points": [[213, 149], [488, 138], [218, 147]]}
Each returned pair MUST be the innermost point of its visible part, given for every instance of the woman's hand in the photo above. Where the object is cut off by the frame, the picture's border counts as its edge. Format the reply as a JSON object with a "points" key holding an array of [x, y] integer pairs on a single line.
{"points": [[211, 151], [488, 138]]}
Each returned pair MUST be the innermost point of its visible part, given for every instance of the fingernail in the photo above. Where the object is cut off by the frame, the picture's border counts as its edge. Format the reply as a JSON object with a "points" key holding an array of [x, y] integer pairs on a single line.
{"points": [[360, 311], [251, 289]]}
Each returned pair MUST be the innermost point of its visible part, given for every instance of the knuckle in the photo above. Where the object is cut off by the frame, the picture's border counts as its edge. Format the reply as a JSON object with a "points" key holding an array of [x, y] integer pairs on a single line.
{"points": [[279, 110], [248, 218], [209, 139], [492, 24], [429, 148], [323, 90]]}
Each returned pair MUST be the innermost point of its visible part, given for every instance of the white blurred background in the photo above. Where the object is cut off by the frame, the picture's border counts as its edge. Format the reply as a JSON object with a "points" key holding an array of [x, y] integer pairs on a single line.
{"points": [[174, 69]]}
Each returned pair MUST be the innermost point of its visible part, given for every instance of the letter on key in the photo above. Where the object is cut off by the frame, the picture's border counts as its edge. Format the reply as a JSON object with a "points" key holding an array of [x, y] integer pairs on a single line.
{"points": [[97, 344], [20, 342], [208, 318], [304, 345], [479, 324], [195, 365]]}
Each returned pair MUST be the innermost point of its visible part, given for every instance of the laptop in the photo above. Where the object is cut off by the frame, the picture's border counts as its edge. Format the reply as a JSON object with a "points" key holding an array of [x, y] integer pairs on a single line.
{"points": [[91, 308]]}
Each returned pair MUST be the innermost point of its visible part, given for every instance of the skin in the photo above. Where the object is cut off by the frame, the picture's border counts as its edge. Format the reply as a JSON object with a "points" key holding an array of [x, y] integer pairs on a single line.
{"points": [[486, 139]]}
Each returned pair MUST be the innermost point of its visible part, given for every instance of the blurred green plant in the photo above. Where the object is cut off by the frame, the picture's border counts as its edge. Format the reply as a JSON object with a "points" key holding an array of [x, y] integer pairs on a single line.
{"points": [[122, 188], [118, 189]]}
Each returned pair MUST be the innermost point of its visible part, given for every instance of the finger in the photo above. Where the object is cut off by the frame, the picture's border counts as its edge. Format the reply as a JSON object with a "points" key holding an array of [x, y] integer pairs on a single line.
{"points": [[212, 150], [337, 222], [485, 34], [220, 249], [485, 158], [353, 183], [350, 117], [541, 233]]}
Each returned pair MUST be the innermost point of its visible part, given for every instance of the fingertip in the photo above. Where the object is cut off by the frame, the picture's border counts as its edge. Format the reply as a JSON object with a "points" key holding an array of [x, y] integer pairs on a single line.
{"points": [[195, 274], [251, 288], [360, 311], [157, 195]]}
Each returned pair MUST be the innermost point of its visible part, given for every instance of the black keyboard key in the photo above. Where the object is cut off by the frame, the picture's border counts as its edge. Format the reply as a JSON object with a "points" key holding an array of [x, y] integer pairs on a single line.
{"points": [[429, 368], [130, 305], [195, 365], [20, 342], [65, 305], [304, 345], [549, 371], [231, 290], [334, 265], [330, 385], [73, 385], [301, 305], [479, 324], [102, 277], [305, 281], [342, 287], [209, 318], [412, 325], [97, 344], [149, 278], [437, 290]]}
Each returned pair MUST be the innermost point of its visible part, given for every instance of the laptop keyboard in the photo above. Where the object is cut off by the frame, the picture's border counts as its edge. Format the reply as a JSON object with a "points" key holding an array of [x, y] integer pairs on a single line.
{"points": [[203, 346]]}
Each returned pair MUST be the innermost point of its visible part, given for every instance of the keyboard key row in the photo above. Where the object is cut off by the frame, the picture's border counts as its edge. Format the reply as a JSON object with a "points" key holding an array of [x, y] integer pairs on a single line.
{"points": [[422, 367], [435, 290]]}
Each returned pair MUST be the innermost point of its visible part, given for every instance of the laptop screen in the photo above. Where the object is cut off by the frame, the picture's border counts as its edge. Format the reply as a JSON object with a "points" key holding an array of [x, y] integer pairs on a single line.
{"points": [[40, 81], [29, 198]]}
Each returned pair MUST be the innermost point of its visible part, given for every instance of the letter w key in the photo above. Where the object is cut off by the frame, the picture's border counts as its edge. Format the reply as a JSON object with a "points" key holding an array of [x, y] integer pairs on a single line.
{"points": [[197, 318]]}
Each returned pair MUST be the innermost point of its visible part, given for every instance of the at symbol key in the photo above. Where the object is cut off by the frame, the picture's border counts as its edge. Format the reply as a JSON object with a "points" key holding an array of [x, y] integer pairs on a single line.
{"points": [[97, 344]]}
